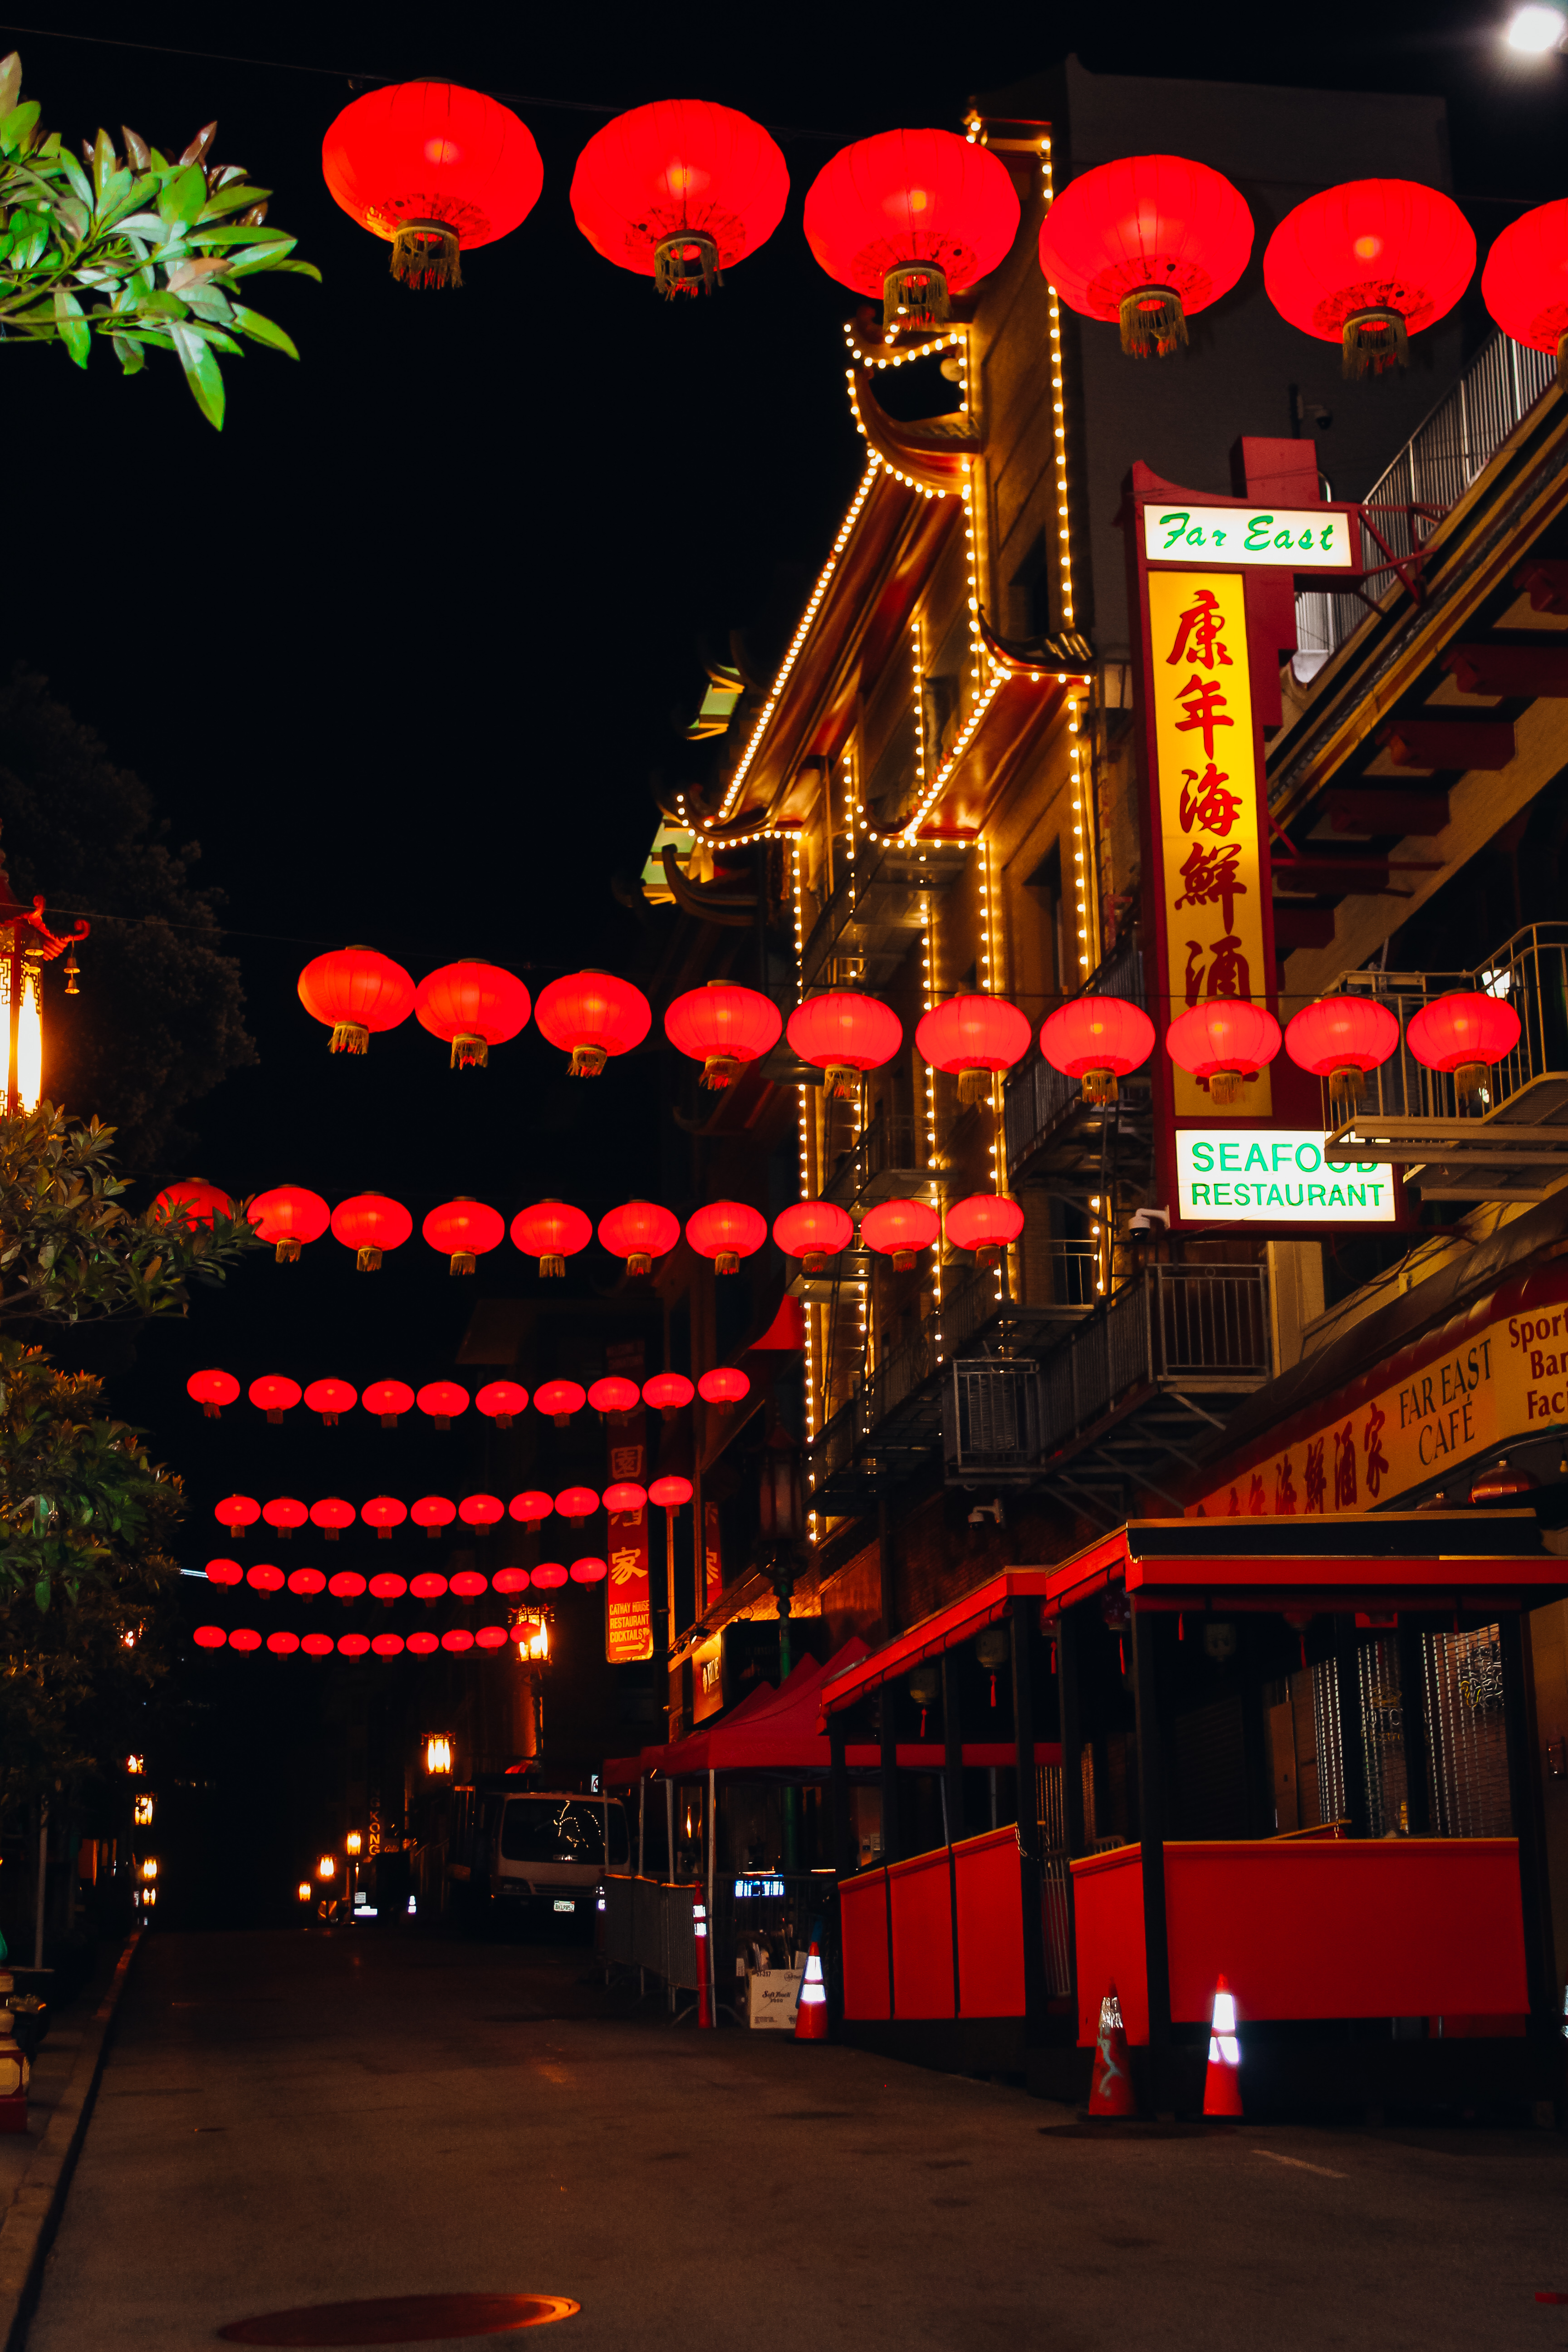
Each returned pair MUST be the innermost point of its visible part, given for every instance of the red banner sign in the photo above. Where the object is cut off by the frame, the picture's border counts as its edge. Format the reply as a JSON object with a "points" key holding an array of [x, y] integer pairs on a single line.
{"points": [[628, 1618]]}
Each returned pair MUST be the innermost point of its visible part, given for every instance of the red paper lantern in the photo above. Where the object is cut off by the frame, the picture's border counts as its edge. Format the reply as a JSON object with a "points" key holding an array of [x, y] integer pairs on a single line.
{"points": [[433, 1512], [560, 1399], [1462, 1035], [1149, 240], [209, 1637], [724, 1026], [442, 1401], [289, 1216], [387, 1399], [899, 1230], [245, 1637], [491, 1637], [845, 1034], [670, 1493], [283, 1514], [481, 1510], [725, 1386], [1226, 1042], [501, 1401], [318, 1645], [305, 1583], [510, 1579], [589, 1572], [472, 1006], [727, 1230], [813, 1231], [383, 1513], [614, 1397], [552, 1230], [680, 192], [1340, 1038], [428, 1586], [639, 1231], [1525, 282], [369, 1223], [387, 1646], [332, 1514], [331, 1398], [457, 1638], [388, 1587], [548, 1576], [576, 1504], [211, 1391], [435, 169], [464, 1228], [421, 1645], [236, 1512], [912, 216], [531, 1506], [1097, 1040], [192, 1203], [347, 1585], [972, 1037], [592, 1015], [282, 1645], [668, 1393], [1369, 263], [225, 1571], [265, 1578], [352, 1645], [354, 991], [625, 1495], [274, 1395], [985, 1223], [468, 1584]]}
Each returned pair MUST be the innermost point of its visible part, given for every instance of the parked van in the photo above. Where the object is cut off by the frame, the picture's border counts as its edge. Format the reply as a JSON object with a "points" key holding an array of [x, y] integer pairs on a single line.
{"points": [[542, 1853]]}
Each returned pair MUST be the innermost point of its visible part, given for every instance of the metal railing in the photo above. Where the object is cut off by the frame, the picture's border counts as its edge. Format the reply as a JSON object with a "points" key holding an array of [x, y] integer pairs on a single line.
{"points": [[1075, 1273], [1038, 1094], [650, 1923], [1528, 971], [891, 1144], [1437, 465], [904, 1370], [1190, 1325]]}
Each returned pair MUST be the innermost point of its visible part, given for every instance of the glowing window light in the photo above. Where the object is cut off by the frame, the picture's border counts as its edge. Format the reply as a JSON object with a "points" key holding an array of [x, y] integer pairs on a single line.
{"points": [[30, 1043], [437, 1753]]}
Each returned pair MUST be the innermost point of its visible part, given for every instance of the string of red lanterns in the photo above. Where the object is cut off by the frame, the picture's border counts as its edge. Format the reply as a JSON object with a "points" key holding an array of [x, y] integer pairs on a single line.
{"points": [[433, 1513], [443, 1401]]}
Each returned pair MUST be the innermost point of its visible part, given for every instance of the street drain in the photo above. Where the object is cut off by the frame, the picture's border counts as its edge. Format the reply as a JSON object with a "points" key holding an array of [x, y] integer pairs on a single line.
{"points": [[400, 2319]]}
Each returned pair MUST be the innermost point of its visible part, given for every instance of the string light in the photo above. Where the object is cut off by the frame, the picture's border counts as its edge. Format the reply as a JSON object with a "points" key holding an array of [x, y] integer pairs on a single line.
{"points": [[1058, 402], [991, 982], [808, 1315]]}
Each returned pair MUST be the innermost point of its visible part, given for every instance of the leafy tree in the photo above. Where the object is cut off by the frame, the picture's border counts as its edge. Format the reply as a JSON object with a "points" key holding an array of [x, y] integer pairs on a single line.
{"points": [[134, 246]]}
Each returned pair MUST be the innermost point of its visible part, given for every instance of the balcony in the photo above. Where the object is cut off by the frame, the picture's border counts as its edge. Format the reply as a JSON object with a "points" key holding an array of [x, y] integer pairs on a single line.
{"points": [[878, 903], [1513, 1148], [1054, 1137], [886, 1162]]}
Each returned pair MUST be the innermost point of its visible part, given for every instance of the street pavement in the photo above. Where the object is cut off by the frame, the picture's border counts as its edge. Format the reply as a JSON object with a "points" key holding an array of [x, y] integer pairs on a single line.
{"points": [[316, 2117]]}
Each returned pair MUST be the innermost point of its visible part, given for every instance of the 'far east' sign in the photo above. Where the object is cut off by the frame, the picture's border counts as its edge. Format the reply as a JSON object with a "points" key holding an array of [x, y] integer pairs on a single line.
{"points": [[1274, 1176], [1295, 538]]}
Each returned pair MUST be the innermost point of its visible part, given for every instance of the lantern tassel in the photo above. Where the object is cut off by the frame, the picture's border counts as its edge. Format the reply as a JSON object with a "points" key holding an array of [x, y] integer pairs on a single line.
{"points": [[639, 1262], [914, 295], [587, 1061], [470, 1054], [718, 1072], [686, 263], [348, 1037], [288, 1251], [1100, 1087], [211, 1411], [552, 1267], [274, 1416], [1153, 324], [1344, 1092], [902, 1260], [368, 1259], [463, 1262], [1374, 340], [426, 253], [726, 1262], [973, 1085], [1225, 1085], [843, 1086]]}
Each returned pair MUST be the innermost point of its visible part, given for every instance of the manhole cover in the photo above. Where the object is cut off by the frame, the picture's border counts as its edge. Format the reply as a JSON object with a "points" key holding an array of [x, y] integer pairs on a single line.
{"points": [[400, 2319]]}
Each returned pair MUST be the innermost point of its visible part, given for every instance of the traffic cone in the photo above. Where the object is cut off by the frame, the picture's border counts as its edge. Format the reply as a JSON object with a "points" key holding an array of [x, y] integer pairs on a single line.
{"points": [[811, 2010], [1110, 2092], [1222, 2084]]}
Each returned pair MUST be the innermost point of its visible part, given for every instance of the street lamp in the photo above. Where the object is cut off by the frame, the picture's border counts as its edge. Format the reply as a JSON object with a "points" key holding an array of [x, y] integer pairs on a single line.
{"points": [[437, 1754], [149, 1868], [530, 1631], [1535, 32], [353, 1843], [328, 1867], [27, 943], [142, 1812], [305, 1890], [136, 1763]]}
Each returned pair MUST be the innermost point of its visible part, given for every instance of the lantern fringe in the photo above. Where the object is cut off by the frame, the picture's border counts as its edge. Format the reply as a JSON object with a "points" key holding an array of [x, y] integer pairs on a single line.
{"points": [[387, 1420], [587, 1061], [639, 1262], [1224, 1086], [470, 1054], [463, 1262], [973, 1085], [1374, 340], [1470, 1081], [686, 264], [1153, 324], [274, 1416], [718, 1072], [552, 1267], [211, 1411], [368, 1260], [426, 253], [726, 1262], [1344, 1091], [812, 1262], [288, 1251], [348, 1037], [1100, 1087], [329, 1421], [914, 295], [843, 1086], [902, 1260]]}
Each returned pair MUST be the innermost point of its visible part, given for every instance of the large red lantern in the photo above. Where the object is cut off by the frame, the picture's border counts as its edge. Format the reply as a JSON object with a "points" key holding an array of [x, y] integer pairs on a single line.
{"points": [[332, 1514], [1462, 1035], [193, 1202], [679, 191], [443, 1401], [1340, 1038], [212, 1390], [305, 1583], [369, 1223], [491, 1637], [282, 1644], [388, 1645], [592, 1015], [354, 992], [911, 217], [209, 1637], [434, 168], [423, 1646], [274, 1395], [1226, 1042], [577, 1504], [388, 1587], [352, 1645], [560, 1399], [638, 1232], [468, 1584], [970, 1038], [725, 1385], [727, 1230], [347, 1585], [625, 1495], [845, 1034], [1525, 282], [813, 1231], [510, 1579], [724, 1026], [264, 1577], [668, 1393], [463, 1229], [531, 1506], [384, 1512], [236, 1512], [552, 1230], [985, 1223], [1369, 263], [289, 1216], [1148, 240], [245, 1637], [318, 1645], [614, 1397], [670, 1493], [899, 1230], [225, 1571], [549, 1575], [433, 1512], [283, 1514], [1097, 1040], [471, 1006], [386, 1399], [589, 1572], [428, 1586], [501, 1401], [329, 1399], [457, 1638], [481, 1510]]}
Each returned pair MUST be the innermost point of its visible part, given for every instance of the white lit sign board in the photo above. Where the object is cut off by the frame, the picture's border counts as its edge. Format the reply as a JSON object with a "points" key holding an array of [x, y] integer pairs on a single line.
{"points": [[1293, 538], [1275, 1176]]}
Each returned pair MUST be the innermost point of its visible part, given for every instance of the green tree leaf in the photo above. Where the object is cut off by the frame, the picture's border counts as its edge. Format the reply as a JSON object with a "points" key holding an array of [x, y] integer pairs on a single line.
{"points": [[181, 195], [261, 331], [74, 330]]}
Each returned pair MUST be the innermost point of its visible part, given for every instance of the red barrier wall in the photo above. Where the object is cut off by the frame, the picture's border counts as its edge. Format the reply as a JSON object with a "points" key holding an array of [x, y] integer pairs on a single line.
{"points": [[863, 1932], [990, 1926], [922, 1937]]}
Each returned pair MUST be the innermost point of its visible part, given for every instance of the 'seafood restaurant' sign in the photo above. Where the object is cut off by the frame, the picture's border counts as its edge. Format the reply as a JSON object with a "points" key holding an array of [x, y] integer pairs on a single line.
{"points": [[1294, 539], [1276, 1175]]}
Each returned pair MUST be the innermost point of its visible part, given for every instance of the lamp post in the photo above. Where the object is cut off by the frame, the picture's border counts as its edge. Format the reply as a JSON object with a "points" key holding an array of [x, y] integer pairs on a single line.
{"points": [[27, 943], [781, 1511]]}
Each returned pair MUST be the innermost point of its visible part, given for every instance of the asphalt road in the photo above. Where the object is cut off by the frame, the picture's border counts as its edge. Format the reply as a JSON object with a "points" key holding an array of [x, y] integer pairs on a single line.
{"points": [[288, 2120]]}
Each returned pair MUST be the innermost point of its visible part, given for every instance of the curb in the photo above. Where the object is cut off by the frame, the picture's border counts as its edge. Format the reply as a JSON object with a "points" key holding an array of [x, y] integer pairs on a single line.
{"points": [[28, 2229]]}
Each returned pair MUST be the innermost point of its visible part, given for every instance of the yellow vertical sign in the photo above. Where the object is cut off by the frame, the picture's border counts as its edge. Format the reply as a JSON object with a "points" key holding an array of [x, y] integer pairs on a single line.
{"points": [[1211, 870]]}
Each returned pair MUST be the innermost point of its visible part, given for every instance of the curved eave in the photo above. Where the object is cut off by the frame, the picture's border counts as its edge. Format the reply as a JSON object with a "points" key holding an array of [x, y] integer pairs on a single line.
{"points": [[1022, 709], [936, 457]]}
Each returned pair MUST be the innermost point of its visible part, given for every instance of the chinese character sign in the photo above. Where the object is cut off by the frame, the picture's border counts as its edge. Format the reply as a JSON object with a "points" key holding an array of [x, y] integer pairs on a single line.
{"points": [[628, 1620], [1212, 878]]}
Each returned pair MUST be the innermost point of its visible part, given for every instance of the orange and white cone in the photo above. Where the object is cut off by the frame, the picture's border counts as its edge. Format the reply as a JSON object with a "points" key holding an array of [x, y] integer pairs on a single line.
{"points": [[1110, 2092], [1222, 2084], [811, 2010]]}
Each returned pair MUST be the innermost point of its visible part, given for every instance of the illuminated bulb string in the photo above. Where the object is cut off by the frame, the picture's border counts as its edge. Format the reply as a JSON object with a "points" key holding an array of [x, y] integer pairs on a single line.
{"points": [[809, 1316], [1081, 833]]}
